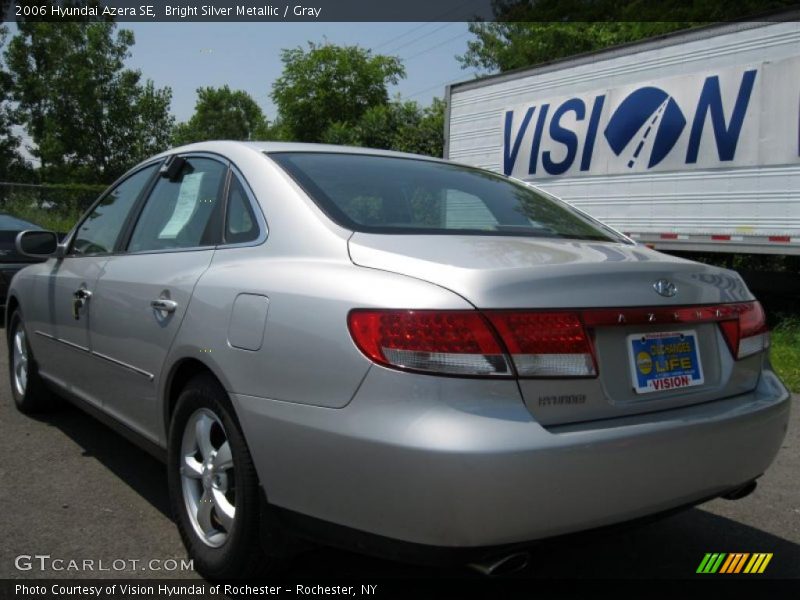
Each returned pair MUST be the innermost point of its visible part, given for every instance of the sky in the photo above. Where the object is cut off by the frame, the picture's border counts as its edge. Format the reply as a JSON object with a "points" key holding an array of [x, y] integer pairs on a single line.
{"points": [[246, 56]]}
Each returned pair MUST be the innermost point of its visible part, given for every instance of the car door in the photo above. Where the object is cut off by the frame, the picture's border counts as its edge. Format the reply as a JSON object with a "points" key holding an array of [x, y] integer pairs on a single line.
{"points": [[143, 293], [64, 290]]}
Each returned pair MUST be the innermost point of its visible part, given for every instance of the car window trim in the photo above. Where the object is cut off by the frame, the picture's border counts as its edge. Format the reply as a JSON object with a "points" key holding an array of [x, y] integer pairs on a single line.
{"points": [[139, 208], [120, 246], [70, 238], [255, 211], [133, 215]]}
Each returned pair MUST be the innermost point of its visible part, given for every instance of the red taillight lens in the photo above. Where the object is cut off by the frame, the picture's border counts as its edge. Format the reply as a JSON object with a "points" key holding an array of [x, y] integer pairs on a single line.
{"points": [[449, 342], [539, 343], [746, 333], [546, 344]]}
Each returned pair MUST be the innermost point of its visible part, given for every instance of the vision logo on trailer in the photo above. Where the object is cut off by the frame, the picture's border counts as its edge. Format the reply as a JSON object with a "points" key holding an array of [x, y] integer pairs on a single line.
{"points": [[570, 135], [647, 115]]}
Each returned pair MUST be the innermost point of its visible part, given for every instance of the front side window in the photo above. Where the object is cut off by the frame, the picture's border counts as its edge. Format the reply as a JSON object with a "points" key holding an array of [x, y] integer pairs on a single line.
{"points": [[383, 194], [183, 212], [99, 231]]}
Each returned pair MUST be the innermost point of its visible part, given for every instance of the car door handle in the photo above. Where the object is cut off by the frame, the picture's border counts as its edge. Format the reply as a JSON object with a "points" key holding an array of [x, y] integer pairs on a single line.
{"points": [[80, 298], [165, 305]]}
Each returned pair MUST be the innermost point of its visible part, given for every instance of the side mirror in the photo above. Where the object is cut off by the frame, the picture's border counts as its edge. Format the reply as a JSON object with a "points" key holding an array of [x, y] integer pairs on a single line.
{"points": [[37, 243]]}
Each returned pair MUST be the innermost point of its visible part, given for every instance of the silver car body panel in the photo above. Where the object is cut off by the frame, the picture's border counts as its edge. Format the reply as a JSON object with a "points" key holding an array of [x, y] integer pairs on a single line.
{"points": [[464, 464], [130, 339], [502, 272], [306, 329], [435, 460], [60, 342], [511, 273]]}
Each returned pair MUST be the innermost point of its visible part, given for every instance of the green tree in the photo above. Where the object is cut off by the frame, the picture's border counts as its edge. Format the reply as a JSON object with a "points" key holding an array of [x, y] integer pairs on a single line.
{"points": [[12, 165], [89, 117], [503, 46], [530, 32], [328, 84], [403, 126], [222, 114]]}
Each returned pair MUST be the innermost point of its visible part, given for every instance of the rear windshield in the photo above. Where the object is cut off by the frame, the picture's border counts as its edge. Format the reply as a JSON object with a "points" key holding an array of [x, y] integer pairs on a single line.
{"points": [[381, 194]]}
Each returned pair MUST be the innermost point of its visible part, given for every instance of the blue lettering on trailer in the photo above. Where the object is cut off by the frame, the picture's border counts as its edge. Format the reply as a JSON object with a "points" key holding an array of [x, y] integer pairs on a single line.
{"points": [[591, 133], [509, 158], [558, 133], [537, 138], [644, 127], [711, 102]]}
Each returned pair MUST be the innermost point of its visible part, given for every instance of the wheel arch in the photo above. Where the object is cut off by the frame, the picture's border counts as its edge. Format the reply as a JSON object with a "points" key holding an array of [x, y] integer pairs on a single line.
{"points": [[180, 374], [12, 304]]}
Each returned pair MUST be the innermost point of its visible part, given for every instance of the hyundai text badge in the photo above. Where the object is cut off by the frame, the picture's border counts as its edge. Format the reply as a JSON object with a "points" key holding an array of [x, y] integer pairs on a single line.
{"points": [[665, 288]]}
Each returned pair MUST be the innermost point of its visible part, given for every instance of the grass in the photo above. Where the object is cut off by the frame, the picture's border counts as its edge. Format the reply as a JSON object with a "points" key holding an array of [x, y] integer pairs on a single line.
{"points": [[785, 352], [52, 206], [47, 218]]}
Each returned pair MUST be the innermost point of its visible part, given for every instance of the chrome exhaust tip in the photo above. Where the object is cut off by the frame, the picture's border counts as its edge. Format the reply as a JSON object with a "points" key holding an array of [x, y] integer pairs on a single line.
{"points": [[741, 492], [504, 565]]}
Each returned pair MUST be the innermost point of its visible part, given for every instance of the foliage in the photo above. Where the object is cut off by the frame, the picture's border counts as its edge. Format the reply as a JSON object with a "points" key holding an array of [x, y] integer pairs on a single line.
{"points": [[505, 46], [12, 165], [530, 32], [54, 207], [401, 126], [222, 114], [785, 351], [776, 263], [327, 84], [90, 118]]}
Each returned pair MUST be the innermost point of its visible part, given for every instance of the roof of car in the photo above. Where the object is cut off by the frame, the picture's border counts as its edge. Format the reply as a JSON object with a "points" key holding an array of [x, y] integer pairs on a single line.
{"points": [[221, 146], [12, 223]]}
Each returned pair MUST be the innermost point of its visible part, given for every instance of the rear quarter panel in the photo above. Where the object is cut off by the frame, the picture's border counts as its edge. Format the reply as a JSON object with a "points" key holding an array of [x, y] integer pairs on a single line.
{"points": [[307, 355]]}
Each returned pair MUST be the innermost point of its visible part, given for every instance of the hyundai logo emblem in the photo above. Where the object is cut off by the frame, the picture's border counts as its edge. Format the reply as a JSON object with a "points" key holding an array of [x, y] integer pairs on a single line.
{"points": [[665, 287]]}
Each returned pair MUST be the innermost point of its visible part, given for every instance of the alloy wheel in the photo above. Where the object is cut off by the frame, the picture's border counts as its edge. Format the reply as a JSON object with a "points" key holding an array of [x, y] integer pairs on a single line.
{"points": [[208, 477], [20, 360]]}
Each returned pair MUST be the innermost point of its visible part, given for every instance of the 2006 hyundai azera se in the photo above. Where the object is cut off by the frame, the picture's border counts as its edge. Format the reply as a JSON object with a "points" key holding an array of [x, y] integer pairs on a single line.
{"points": [[392, 352]]}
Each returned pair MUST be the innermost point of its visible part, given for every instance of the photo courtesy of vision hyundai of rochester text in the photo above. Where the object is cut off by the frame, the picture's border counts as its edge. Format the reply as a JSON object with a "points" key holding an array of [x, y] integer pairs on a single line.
{"points": [[390, 352]]}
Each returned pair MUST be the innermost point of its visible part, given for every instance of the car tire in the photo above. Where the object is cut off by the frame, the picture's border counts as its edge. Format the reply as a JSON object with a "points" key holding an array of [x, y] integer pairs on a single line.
{"points": [[30, 392], [214, 491]]}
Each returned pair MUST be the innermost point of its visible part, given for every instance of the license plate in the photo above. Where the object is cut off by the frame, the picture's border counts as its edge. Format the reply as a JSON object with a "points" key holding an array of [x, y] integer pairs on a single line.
{"points": [[664, 361]]}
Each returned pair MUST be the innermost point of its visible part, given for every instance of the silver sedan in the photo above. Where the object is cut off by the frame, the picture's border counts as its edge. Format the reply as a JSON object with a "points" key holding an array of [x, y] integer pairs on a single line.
{"points": [[390, 352]]}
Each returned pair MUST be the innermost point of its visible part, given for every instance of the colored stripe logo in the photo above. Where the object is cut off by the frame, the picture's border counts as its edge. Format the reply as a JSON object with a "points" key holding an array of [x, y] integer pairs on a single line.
{"points": [[734, 562]]}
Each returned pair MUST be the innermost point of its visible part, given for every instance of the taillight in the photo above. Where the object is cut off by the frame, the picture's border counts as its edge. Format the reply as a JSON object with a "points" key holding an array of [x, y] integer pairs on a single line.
{"points": [[530, 343], [438, 341], [746, 332], [545, 344]]}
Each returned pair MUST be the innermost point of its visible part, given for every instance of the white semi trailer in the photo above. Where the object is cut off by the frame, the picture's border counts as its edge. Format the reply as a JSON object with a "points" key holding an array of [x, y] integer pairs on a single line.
{"points": [[689, 141]]}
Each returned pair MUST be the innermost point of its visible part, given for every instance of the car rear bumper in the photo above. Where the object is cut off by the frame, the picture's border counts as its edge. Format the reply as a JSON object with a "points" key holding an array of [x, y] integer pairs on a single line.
{"points": [[457, 463]]}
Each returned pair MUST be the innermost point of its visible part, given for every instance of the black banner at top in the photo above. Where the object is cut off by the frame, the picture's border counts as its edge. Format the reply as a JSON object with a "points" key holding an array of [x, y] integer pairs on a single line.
{"points": [[392, 10], [249, 10]]}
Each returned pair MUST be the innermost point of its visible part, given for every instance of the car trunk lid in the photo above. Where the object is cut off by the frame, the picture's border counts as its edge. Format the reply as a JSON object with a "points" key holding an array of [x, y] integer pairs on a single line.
{"points": [[513, 273]]}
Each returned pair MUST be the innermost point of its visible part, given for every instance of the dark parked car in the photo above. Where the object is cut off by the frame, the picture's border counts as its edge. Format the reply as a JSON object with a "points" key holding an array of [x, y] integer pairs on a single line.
{"points": [[10, 260]]}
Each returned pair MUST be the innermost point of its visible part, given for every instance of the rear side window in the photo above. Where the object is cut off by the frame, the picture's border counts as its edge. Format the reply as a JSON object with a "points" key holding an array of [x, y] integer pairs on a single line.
{"points": [[185, 212], [99, 232], [382, 194], [240, 221]]}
